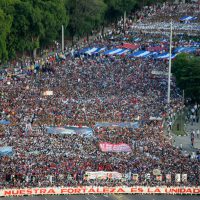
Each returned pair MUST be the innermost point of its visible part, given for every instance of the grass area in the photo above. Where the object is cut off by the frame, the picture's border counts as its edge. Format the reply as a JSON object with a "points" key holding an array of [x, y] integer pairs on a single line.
{"points": [[178, 126]]}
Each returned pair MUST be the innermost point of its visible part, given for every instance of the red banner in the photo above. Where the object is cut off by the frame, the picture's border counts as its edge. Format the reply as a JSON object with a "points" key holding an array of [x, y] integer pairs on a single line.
{"points": [[101, 190], [109, 147]]}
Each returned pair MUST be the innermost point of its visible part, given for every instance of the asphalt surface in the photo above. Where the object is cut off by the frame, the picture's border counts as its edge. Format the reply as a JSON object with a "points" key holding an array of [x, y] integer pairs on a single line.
{"points": [[107, 197]]}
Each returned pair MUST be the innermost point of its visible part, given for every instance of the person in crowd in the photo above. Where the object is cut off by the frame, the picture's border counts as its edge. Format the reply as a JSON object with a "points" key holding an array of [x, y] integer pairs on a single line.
{"points": [[71, 90]]}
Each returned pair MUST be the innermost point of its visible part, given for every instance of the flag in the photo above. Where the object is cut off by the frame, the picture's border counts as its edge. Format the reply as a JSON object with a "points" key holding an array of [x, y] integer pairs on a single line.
{"points": [[74, 176], [50, 179], [147, 176], [159, 177], [135, 177], [156, 172], [128, 176], [28, 128], [27, 179], [69, 177], [168, 178], [184, 177], [85, 177], [177, 178], [109, 175]]}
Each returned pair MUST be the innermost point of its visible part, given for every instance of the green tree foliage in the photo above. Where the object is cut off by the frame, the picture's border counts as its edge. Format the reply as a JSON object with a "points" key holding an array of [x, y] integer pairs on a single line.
{"points": [[26, 25], [5, 24], [84, 16], [53, 16], [116, 8], [186, 69], [35, 23]]}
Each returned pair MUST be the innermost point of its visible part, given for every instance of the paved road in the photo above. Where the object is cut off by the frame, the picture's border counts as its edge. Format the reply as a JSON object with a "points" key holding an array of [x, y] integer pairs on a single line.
{"points": [[186, 140], [107, 197]]}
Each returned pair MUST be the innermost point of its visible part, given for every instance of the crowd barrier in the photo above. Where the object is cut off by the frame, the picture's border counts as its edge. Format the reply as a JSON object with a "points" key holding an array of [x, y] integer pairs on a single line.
{"points": [[100, 190]]}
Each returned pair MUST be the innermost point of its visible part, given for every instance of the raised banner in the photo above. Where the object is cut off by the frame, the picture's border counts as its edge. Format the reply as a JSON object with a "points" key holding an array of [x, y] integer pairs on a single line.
{"points": [[48, 93], [184, 177], [132, 125], [147, 176], [100, 190], [159, 177], [103, 175], [109, 147], [156, 172], [135, 177], [70, 130], [177, 178], [168, 178], [6, 151]]}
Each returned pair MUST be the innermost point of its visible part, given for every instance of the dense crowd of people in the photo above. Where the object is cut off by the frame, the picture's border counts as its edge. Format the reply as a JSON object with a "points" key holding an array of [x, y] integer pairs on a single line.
{"points": [[86, 90], [157, 18]]}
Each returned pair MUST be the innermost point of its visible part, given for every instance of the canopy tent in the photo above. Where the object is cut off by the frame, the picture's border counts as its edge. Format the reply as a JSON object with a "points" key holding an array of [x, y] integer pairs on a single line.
{"points": [[141, 53], [185, 49], [165, 56], [188, 18]]}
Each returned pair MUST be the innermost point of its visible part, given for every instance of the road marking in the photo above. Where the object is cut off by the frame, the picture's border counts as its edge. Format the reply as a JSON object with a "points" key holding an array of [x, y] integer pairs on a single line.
{"points": [[105, 195], [87, 198], [94, 196], [66, 198], [45, 198]]}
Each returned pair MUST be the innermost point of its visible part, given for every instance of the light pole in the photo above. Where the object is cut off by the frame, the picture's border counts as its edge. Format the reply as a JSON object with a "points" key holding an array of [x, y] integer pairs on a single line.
{"points": [[182, 110], [63, 38], [170, 65]]}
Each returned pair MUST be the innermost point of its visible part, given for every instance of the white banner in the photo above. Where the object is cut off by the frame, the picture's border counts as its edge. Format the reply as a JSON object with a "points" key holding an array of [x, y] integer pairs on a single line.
{"points": [[103, 175], [184, 177], [109, 147], [178, 178], [48, 93]]}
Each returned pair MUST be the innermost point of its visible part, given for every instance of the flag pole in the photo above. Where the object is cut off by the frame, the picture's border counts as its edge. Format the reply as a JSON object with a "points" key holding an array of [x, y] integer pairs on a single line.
{"points": [[170, 66]]}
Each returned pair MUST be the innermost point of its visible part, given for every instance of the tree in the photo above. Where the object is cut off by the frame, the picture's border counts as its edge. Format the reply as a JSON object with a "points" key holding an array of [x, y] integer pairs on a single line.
{"points": [[84, 16], [116, 8], [5, 24], [35, 23], [54, 15], [186, 69]]}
